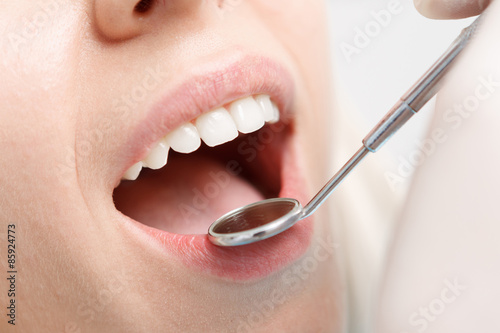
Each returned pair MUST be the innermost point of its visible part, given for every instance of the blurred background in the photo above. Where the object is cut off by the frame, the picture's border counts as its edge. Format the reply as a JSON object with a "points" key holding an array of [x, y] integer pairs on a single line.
{"points": [[380, 48]]}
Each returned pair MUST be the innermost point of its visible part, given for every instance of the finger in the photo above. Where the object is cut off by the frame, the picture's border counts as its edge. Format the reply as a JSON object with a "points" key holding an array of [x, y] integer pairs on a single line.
{"points": [[450, 9]]}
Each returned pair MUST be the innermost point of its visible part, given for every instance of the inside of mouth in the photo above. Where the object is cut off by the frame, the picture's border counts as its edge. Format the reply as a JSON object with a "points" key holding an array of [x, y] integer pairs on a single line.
{"points": [[195, 189]]}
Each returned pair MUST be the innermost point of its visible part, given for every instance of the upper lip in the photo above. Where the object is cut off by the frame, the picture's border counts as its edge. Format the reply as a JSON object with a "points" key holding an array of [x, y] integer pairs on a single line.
{"points": [[208, 87], [211, 86]]}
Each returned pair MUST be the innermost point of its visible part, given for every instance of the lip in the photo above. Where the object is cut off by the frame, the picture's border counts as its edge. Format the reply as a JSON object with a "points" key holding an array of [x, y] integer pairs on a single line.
{"points": [[233, 78]]}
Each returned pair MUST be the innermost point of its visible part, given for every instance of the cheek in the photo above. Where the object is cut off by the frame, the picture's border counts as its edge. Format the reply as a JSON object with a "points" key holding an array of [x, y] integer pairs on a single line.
{"points": [[300, 27], [37, 90], [293, 21], [39, 57]]}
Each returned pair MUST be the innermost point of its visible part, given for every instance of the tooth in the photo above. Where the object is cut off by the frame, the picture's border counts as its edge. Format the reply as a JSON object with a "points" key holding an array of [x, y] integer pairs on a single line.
{"points": [[247, 115], [133, 172], [276, 113], [216, 127], [184, 139], [158, 156], [270, 110]]}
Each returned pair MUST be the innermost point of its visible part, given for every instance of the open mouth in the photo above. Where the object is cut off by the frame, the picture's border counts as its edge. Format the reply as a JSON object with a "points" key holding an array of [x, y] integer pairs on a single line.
{"points": [[223, 138], [222, 160]]}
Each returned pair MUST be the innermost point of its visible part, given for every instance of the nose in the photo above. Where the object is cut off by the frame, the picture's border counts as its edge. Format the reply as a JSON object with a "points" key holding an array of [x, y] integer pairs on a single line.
{"points": [[121, 19], [125, 19]]}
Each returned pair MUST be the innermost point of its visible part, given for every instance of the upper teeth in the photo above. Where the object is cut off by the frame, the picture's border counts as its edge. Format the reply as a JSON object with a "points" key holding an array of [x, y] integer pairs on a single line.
{"points": [[214, 128]]}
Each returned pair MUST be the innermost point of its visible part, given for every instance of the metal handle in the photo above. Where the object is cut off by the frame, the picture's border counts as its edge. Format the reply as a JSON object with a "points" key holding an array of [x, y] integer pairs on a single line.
{"points": [[411, 102], [419, 94]]}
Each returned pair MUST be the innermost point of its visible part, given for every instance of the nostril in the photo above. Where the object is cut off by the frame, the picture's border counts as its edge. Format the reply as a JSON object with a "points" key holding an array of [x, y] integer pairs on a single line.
{"points": [[143, 6]]}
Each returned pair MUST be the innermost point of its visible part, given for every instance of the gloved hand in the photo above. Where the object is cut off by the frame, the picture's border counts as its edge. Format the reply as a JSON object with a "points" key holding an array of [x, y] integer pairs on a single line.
{"points": [[448, 9], [442, 273]]}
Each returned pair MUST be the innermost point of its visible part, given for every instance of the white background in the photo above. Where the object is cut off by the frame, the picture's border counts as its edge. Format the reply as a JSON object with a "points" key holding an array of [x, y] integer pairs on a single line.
{"points": [[376, 78]]}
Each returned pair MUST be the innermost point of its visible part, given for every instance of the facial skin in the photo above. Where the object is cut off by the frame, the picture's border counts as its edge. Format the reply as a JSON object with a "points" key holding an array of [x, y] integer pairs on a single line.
{"points": [[62, 143]]}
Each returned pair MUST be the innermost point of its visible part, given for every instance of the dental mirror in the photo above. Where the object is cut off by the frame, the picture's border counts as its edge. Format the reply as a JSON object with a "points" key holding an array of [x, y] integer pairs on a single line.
{"points": [[267, 218]]}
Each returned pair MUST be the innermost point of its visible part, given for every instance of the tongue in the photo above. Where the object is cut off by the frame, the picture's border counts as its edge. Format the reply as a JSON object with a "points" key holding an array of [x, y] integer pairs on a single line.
{"points": [[186, 196]]}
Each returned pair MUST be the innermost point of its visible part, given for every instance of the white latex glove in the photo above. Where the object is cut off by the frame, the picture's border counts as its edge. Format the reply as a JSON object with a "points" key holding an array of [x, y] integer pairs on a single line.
{"points": [[443, 273]]}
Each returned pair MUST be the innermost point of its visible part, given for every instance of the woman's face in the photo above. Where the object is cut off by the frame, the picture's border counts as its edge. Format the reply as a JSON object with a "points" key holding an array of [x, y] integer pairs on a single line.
{"points": [[89, 91]]}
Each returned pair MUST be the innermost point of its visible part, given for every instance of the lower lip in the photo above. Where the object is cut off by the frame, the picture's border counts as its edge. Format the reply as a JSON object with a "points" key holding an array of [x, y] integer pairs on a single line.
{"points": [[247, 262]]}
